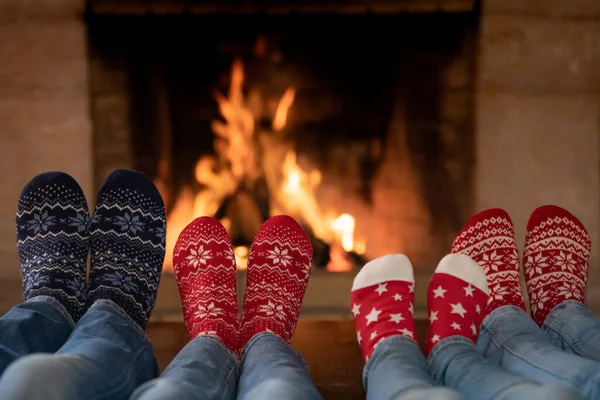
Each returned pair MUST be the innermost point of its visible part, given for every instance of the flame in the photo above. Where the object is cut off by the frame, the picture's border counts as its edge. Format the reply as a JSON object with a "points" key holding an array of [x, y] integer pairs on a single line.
{"points": [[236, 161]]}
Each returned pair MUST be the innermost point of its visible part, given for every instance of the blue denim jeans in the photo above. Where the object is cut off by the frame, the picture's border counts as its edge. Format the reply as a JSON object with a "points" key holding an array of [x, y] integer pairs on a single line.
{"points": [[398, 370], [205, 369], [41, 325], [106, 356], [572, 327], [509, 338]]}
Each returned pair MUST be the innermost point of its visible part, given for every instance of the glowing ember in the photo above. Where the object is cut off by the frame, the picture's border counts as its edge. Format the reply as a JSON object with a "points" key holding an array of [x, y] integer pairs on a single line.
{"points": [[236, 162]]}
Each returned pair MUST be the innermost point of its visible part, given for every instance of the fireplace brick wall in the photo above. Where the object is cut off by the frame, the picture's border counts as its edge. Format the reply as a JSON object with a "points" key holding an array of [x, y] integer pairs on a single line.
{"points": [[44, 118], [538, 118]]}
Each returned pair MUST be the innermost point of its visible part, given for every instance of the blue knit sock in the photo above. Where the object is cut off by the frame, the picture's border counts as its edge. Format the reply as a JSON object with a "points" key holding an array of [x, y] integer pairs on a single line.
{"points": [[127, 244], [52, 240]]}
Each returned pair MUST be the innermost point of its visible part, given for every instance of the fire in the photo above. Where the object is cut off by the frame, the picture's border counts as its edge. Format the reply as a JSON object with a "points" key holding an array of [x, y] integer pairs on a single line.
{"points": [[242, 157]]}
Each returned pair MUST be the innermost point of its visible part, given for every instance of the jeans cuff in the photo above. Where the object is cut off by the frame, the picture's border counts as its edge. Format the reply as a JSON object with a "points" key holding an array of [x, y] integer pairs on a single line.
{"points": [[218, 341], [111, 305], [447, 341], [57, 305], [384, 346], [260, 335]]}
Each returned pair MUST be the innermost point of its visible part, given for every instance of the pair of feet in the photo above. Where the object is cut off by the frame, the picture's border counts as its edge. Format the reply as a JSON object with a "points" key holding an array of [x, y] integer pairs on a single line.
{"points": [[279, 265], [125, 237], [482, 275], [555, 260]]}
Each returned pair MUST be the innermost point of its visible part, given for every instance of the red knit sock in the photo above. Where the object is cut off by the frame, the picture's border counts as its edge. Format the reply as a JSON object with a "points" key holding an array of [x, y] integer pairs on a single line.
{"points": [[278, 272], [489, 239], [382, 301], [456, 299], [557, 251], [204, 266]]}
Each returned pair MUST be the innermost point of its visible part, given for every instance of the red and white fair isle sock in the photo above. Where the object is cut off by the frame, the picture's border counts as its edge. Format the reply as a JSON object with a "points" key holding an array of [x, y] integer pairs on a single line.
{"points": [[489, 239], [557, 251], [278, 272], [382, 301], [456, 299], [204, 266]]}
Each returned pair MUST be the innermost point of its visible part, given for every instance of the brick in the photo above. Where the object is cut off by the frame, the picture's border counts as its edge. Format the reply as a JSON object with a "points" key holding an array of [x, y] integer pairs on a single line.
{"points": [[533, 55]]}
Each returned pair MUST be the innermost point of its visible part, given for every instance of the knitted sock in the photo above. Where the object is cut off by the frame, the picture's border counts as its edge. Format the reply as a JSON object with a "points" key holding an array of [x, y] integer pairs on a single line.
{"points": [[456, 299], [489, 239], [382, 301], [557, 251], [52, 240], [278, 272], [204, 266], [127, 244]]}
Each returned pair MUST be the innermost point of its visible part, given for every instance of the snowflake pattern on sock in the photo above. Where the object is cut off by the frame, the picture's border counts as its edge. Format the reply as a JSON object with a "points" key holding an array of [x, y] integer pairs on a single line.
{"points": [[127, 240], [382, 301], [204, 266], [557, 251], [456, 299], [52, 240], [489, 239], [279, 266]]}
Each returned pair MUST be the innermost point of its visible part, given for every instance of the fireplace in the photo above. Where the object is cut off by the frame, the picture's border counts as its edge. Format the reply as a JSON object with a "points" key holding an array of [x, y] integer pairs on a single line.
{"points": [[360, 126]]}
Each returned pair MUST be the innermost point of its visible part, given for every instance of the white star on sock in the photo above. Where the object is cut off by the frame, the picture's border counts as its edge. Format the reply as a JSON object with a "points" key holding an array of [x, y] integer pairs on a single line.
{"points": [[411, 308], [396, 318], [458, 309], [381, 288], [412, 287], [358, 337], [406, 332], [469, 290], [433, 316], [435, 338], [397, 297], [373, 334], [373, 315], [474, 329], [478, 309], [439, 292], [356, 309], [455, 326]]}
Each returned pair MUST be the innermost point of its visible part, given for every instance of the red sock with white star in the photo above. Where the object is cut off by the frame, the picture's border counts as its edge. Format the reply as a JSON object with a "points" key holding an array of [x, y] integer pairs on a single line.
{"points": [[382, 301], [204, 267], [278, 272], [557, 251], [456, 299], [489, 239]]}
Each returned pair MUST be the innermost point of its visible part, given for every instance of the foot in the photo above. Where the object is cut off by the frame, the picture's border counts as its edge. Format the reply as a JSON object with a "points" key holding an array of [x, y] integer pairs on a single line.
{"points": [[456, 299], [127, 244], [382, 301], [278, 273], [52, 240], [489, 239], [557, 251], [204, 266]]}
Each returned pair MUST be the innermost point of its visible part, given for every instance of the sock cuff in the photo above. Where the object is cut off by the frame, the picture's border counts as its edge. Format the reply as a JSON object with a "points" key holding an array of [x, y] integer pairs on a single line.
{"points": [[463, 267], [392, 267]]}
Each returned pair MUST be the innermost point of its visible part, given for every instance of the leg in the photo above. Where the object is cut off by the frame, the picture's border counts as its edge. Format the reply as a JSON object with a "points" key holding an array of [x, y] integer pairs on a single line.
{"points": [[397, 370], [455, 362], [572, 327], [107, 356], [382, 303], [52, 242], [40, 325], [205, 369], [271, 369], [278, 273], [511, 339]]}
